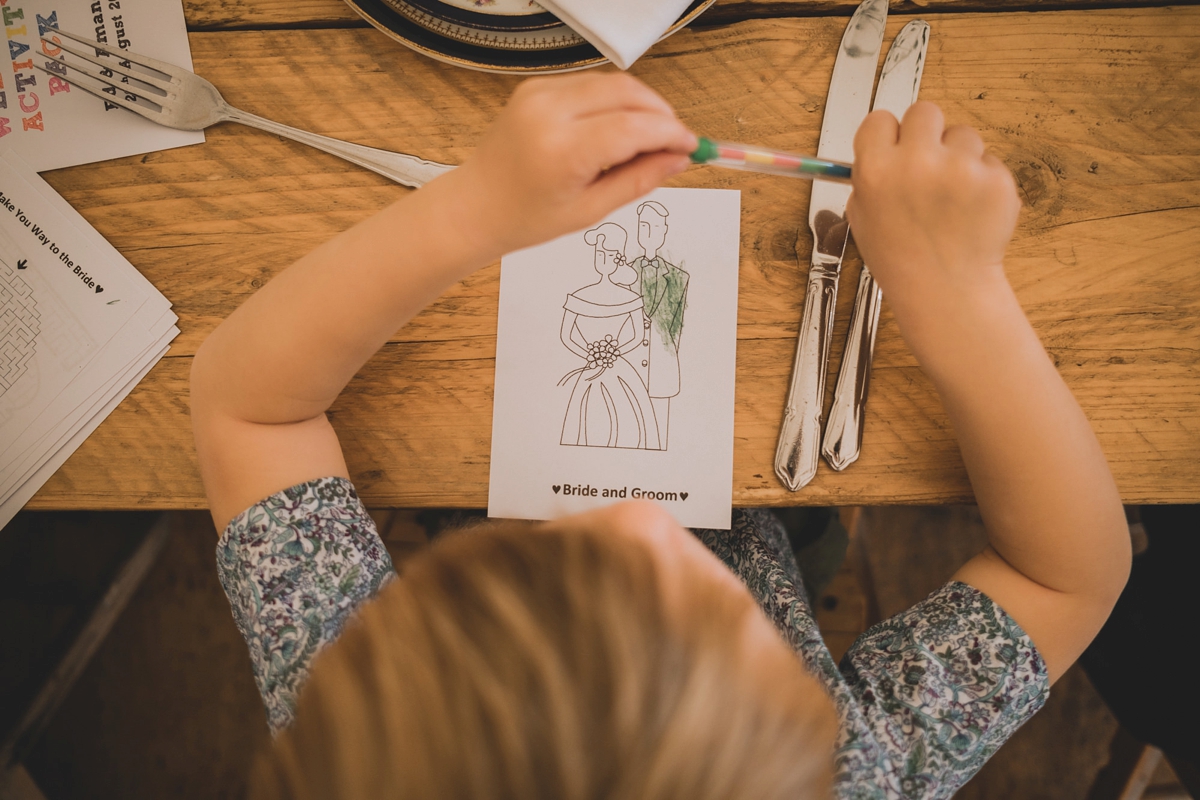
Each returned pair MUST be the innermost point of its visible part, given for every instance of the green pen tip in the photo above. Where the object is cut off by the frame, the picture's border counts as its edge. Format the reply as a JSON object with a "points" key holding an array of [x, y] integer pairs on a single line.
{"points": [[706, 150]]}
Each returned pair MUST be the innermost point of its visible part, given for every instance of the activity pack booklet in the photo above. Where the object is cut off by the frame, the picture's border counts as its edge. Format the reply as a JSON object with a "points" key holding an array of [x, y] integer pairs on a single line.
{"points": [[51, 123]]}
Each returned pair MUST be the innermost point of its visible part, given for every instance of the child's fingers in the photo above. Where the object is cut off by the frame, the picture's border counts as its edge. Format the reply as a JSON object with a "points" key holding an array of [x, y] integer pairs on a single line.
{"points": [[878, 129], [963, 139], [1004, 177], [851, 209], [623, 91], [612, 139], [629, 181], [583, 95], [923, 124]]}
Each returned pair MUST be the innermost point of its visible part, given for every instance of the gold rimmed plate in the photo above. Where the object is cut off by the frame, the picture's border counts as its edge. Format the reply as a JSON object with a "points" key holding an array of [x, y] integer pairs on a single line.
{"points": [[484, 49], [555, 37], [488, 15]]}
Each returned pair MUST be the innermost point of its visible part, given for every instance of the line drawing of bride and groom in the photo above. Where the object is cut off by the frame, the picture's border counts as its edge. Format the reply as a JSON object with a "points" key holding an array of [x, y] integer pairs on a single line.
{"points": [[626, 327]]}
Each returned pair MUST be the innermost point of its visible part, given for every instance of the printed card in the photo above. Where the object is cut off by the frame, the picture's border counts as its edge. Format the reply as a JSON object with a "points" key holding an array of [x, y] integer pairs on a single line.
{"points": [[51, 123], [615, 364]]}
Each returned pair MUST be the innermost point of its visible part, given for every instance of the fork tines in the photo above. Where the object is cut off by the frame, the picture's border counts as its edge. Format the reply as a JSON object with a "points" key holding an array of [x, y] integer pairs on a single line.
{"points": [[161, 67], [110, 61]]}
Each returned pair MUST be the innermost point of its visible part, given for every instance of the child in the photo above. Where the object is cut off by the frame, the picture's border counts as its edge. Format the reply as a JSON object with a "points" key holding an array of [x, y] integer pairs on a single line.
{"points": [[614, 654]]}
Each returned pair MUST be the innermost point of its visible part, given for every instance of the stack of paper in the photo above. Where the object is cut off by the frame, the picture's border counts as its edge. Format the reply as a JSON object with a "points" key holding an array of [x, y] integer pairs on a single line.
{"points": [[79, 327]]}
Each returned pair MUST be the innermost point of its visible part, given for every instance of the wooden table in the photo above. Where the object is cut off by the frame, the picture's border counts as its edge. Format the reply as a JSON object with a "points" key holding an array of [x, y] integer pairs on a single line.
{"points": [[1097, 111]]}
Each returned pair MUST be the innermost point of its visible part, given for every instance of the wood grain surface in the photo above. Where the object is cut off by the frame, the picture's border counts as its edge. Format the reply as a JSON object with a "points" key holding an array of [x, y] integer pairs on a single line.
{"points": [[1097, 112]]}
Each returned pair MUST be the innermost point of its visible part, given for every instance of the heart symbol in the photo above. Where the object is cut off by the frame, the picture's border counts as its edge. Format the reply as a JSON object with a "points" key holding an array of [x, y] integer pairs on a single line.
{"points": [[99, 288], [556, 488], [22, 264], [683, 495]]}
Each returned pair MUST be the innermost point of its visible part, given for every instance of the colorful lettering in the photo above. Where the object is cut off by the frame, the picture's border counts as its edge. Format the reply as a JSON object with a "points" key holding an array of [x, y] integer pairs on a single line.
{"points": [[58, 85], [47, 23], [30, 107], [4, 129], [10, 15], [15, 49], [25, 80], [33, 123]]}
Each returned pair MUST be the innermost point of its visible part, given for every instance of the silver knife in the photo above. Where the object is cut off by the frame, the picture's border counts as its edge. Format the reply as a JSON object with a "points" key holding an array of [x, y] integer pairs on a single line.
{"points": [[898, 86], [849, 99]]}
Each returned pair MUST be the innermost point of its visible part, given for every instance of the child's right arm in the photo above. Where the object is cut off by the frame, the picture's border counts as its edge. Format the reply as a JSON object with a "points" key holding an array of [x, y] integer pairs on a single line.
{"points": [[564, 153], [932, 215]]}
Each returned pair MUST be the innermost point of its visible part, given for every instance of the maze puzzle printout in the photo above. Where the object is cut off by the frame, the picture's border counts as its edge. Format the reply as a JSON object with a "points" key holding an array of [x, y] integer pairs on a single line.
{"points": [[20, 321], [80, 327], [615, 360], [62, 304]]}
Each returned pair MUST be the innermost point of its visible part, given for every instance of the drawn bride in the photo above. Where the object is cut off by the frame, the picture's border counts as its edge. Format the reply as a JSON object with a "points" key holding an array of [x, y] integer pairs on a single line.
{"points": [[603, 323]]}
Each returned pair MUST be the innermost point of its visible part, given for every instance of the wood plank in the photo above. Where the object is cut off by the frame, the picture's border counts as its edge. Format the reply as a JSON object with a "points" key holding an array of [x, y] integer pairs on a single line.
{"points": [[260, 14], [251, 14], [1097, 113]]}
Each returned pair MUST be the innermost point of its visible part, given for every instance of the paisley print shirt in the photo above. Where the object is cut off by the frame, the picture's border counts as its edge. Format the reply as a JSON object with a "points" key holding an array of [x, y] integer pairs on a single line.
{"points": [[924, 698]]}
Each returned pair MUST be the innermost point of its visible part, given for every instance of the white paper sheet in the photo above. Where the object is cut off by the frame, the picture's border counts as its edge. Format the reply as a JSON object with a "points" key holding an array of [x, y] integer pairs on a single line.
{"points": [[652, 416], [63, 321], [51, 124], [79, 326], [15, 501]]}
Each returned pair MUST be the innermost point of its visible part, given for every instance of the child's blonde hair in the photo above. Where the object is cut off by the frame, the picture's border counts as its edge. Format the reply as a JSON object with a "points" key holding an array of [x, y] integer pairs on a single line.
{"points": [[523, 662]]}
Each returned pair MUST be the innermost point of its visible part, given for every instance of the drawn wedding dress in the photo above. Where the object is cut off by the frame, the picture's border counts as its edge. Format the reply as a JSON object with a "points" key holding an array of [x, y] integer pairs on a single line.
{"points": [[609, 405]]}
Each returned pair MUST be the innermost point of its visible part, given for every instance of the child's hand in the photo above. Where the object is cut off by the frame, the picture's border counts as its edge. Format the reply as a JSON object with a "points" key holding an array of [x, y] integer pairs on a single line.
{"points": [[931, 212], [563, 154]]}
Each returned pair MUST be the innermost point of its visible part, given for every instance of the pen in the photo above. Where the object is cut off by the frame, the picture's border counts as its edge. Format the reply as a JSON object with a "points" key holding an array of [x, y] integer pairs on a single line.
{"points": [[776, 162]]}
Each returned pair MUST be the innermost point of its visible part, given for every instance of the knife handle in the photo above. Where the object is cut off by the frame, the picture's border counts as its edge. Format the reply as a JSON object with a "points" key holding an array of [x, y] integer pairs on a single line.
{"points": [[844, 431], [800, 436]]}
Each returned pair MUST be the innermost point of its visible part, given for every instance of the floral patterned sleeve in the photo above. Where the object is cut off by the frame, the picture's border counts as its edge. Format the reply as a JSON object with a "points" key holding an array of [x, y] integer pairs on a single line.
{"points": [[295, 567], [942, 685], [924, 698]]}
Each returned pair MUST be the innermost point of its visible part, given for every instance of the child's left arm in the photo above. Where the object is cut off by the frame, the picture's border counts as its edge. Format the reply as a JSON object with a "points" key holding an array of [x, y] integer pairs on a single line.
{"points": [[564, 153]]}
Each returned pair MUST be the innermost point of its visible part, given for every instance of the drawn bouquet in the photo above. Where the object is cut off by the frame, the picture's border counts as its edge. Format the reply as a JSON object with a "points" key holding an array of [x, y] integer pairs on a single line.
{"points": [[602, 354]]}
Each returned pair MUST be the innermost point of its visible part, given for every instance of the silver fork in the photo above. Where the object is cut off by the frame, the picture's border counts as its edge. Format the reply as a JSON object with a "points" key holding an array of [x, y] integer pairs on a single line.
{"points": [[183, 100]]}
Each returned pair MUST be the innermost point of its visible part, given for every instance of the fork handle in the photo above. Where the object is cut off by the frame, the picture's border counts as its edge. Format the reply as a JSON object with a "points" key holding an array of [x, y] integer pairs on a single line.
{"points": [[844, 429], [400, 167]]}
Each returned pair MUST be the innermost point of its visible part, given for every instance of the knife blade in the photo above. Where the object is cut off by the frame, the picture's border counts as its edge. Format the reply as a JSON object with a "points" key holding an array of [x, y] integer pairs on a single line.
{"points": [[849, 99], [898, 86]]}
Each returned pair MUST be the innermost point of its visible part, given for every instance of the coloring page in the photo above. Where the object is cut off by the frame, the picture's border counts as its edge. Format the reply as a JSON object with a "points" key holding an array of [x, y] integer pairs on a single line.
{"points": [[53, 124], [615, 360]]}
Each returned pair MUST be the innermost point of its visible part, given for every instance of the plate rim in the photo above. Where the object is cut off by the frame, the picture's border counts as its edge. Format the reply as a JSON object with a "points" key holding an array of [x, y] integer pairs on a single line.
{"points": [[585, 57], [416, 11], [497, 22]]}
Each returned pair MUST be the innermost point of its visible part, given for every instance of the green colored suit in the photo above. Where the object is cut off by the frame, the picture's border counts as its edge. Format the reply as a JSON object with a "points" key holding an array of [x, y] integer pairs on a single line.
{"points": [[663, 287]]}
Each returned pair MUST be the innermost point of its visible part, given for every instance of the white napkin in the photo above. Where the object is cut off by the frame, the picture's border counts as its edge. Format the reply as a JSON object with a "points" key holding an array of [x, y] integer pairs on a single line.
{"points": [[620, 29]]}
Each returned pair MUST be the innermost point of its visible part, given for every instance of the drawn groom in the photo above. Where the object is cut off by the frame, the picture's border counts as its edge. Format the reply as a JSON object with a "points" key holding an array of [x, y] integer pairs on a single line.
{"points": [[663, 287]]}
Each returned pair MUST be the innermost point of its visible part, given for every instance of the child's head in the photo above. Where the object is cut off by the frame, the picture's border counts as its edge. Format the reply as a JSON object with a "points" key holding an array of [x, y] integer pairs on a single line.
{"points": [[606, 655]]}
